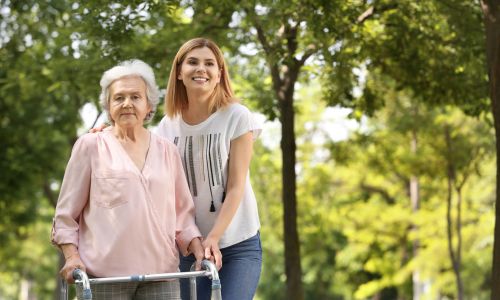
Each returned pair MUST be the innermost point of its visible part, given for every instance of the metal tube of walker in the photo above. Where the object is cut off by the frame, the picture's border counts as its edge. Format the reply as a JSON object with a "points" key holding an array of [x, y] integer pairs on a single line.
{"points": [[63, 292], [209, 270], [214, 276], [192, 285], [216, 286], [82, 276]]}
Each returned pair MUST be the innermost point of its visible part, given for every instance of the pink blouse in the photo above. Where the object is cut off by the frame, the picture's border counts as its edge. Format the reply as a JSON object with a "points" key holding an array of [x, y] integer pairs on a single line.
{"points": [[124, 221]]}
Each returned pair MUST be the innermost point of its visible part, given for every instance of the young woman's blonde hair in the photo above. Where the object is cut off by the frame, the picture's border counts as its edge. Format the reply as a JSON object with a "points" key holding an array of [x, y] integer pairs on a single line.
{"points": [[176, 96]]}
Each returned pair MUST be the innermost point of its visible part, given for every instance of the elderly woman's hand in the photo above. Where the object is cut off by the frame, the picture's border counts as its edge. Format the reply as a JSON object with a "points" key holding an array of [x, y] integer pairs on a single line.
{"points": [[73, 262], [196, 248]]}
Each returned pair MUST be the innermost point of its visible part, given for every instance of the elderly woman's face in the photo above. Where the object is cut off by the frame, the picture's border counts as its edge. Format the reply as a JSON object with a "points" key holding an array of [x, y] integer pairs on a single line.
{"points": [[128, 104]]}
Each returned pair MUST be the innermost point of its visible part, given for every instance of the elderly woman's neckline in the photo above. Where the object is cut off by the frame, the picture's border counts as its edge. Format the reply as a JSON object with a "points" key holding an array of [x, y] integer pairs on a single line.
{"points": [[131, 134]]}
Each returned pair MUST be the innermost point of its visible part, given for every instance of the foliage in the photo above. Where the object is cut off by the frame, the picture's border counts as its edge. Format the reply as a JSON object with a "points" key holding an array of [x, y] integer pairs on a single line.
{"points": [[434, 48], [353, 207], [32, 262], [35, 130], [264, 172], [379, 223]]}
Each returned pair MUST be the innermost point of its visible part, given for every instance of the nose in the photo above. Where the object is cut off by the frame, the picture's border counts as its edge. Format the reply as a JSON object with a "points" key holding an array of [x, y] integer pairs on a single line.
{"points": [[127, 102], [200, 68]]}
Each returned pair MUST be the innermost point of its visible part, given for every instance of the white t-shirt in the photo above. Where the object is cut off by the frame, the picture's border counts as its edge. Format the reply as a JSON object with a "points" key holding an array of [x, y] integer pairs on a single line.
{"points": [[204, 149]]}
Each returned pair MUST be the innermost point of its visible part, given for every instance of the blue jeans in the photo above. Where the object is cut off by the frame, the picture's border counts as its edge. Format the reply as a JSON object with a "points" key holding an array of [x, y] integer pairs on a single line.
{"points": [[239, 275]]}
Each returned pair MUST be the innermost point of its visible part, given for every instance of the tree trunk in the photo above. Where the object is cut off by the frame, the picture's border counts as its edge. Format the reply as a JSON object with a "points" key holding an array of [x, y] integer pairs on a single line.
{"points": [[491, 9], [293, 270], [418, 288], [284, 76], [458, 225], [449, 222], [455, 253]]}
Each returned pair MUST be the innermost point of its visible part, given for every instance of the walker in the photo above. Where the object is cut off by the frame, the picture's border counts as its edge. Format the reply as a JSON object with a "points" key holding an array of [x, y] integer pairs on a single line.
{"points": [[208, 269]]}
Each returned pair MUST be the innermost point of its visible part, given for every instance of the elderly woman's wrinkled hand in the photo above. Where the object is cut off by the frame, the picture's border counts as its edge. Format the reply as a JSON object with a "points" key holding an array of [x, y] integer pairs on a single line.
{"points": [[196, 248], [73, 262]]}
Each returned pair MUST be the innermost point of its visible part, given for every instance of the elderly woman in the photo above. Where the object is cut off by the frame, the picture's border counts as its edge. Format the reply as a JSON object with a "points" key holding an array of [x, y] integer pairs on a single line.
{"points": [[125, 206]]}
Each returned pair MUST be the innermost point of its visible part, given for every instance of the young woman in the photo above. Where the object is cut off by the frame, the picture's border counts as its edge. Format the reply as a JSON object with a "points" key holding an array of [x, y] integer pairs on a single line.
{"points": [[214, 135]]}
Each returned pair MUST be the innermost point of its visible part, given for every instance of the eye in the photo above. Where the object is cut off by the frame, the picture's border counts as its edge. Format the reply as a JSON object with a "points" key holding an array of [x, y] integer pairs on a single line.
{"points": [[210, 64]]}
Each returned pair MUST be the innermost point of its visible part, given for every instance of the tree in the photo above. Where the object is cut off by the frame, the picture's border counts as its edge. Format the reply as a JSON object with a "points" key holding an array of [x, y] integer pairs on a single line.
{"points": [[379, 216], [491, 10], [437, 53], [462, 154]]}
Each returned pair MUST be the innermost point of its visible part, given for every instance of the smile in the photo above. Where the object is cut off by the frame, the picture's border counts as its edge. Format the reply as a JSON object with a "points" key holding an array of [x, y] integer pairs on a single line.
{"points": [[200, 79]]}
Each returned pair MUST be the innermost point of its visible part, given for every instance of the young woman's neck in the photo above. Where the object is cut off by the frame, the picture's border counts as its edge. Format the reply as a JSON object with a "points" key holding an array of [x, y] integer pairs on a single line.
{"points": [[197, 110]]}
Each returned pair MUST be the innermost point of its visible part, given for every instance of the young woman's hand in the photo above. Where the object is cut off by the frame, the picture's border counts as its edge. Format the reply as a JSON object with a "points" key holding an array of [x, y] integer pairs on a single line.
{"points": [[212, 251], [98, 128]]}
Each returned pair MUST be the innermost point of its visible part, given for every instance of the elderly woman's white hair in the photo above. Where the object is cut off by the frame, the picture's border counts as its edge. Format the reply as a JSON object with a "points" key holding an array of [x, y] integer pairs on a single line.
{"points": [[130, 68]]}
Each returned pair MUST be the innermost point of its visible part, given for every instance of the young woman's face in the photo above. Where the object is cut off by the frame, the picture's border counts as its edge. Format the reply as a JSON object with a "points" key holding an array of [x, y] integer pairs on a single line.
{"points": [[128, 103], [199, 71]]}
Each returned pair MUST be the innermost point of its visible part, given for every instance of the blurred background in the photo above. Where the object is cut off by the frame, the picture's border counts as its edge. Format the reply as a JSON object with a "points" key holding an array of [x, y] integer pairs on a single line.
{"points": [[375, 175]]}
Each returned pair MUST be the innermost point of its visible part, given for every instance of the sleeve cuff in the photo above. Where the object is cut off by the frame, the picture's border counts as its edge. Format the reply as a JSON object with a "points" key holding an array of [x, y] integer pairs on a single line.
{"points": [[62, 236], [185, 237]]}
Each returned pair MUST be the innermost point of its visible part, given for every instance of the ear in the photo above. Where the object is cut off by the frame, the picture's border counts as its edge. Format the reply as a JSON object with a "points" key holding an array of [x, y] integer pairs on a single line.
{"points": [[179, 76]]}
